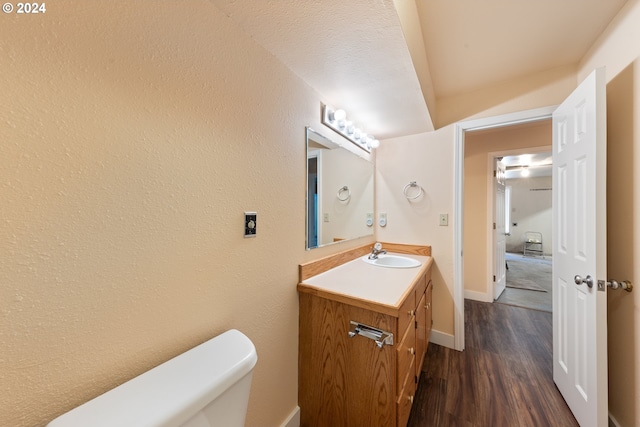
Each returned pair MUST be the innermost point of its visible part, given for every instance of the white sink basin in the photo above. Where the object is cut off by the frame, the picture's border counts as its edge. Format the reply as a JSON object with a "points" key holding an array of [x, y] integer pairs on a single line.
{"points": [[392, 261]]}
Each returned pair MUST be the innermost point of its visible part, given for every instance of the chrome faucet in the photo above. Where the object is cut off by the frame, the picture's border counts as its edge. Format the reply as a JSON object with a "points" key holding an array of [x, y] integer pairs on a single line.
{"points": [[377, 250]]}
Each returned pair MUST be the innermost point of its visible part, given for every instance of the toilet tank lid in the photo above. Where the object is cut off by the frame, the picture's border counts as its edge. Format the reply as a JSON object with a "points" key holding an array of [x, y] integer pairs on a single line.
{"points": [[172, 392]]}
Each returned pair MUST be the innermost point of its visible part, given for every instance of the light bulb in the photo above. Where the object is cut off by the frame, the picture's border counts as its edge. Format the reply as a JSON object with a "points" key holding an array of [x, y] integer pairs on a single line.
{"points": [[340, 115], [524, 172], [357, 134], [375, 143], [363, 138], [349, 127]]}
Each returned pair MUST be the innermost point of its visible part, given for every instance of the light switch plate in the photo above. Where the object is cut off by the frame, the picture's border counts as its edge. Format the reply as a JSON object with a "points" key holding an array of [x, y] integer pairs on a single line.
{"points": [[250, 224]]}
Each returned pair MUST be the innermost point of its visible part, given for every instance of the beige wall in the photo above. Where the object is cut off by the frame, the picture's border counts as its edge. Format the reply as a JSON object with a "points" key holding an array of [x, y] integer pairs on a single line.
{"points": [[478, 145], [427, 159], [133, 136], [618, 49]]}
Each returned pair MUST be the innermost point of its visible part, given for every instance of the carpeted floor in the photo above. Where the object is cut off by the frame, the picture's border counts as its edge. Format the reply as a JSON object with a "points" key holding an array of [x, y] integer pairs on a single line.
{"points": [[528, 282]]}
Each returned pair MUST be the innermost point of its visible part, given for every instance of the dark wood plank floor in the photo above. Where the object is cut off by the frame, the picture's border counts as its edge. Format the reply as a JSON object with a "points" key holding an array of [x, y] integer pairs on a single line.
{"points": [[502, 378]]}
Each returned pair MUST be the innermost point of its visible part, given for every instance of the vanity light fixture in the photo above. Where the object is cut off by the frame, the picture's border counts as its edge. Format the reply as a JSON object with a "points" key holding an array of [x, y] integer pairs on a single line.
{"points": [[337, 120], [525, 171]]}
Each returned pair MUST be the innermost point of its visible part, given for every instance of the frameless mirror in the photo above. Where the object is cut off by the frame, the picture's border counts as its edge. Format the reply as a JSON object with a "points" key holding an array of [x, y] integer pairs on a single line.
{"points": [[339, 193]]}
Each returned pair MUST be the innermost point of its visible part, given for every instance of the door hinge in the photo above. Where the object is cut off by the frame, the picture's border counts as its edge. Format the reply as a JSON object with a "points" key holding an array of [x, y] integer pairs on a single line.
{"points": [[415, 324], [415, 379], [495, 174], [494, 277], [494, 225]]}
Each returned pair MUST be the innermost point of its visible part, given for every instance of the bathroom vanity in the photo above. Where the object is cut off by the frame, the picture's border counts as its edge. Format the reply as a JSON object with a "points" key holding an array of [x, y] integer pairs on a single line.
{"points": [[364, 331]]}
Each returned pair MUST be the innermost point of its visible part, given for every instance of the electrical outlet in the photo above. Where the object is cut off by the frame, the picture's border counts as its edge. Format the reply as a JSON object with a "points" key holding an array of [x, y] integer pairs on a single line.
{"points": [[444, 219], [383, 220], [369, 219], [250, 224], [326, 217]]}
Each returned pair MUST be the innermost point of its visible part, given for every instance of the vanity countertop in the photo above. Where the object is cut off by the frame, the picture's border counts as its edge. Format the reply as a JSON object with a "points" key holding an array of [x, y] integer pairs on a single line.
{"points": [[361, 281]]}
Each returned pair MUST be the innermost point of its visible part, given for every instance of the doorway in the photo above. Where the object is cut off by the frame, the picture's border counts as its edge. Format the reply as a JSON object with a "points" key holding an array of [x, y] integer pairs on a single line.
{"points": [[484, 229], [529, 230], [464, 130]]}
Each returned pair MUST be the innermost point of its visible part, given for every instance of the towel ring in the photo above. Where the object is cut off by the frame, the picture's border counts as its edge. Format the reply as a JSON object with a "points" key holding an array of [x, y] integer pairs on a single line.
{"points": [[412, 184], [344, 189]]}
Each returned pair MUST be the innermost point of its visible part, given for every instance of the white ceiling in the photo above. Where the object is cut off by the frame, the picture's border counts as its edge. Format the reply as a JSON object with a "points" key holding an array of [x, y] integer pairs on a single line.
{"points": [[354, 53]]}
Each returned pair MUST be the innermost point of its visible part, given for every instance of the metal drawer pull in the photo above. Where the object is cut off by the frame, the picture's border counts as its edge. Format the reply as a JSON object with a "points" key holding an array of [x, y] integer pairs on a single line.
{"points": [[379, 336]]}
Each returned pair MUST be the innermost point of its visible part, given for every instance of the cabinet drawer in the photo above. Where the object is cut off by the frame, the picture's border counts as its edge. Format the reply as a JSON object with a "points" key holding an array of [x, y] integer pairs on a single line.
{"points": [[407, 313], [405, 399], [406, 354]]}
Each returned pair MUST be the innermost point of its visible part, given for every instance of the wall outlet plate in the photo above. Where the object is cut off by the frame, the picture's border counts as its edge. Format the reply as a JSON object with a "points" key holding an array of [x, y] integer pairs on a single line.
{"points": [[250, 224], [382, 220], [444, 219], [369, 219]]}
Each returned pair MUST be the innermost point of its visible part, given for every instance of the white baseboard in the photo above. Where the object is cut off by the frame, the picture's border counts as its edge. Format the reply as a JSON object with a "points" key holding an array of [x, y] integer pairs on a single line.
{"points": [[478, 296], [443, 339], [293, 420]]}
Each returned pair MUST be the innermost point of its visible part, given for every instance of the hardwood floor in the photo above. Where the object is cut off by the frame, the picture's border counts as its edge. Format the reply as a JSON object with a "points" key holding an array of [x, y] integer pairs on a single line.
{"points": [[502, 378]]}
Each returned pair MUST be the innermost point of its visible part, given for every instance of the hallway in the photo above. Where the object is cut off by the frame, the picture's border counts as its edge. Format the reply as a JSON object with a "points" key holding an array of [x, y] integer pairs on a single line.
{"points": [[503, 377]]}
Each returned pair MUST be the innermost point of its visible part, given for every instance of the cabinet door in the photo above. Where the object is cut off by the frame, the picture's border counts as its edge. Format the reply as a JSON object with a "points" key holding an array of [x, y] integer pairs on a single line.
{"points": [[421, 333]]}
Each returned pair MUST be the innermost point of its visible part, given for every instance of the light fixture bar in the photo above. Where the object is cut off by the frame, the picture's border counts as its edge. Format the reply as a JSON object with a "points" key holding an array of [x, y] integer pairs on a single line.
{"points": [[337, 120]]}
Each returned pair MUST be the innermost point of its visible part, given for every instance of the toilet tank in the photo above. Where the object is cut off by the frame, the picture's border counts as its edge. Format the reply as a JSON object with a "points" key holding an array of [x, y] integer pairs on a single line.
{"points": [[204, 387]]}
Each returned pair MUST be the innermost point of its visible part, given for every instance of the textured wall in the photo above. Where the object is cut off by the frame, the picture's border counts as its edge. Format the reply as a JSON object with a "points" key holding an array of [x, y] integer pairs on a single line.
{"points": [[133, 135], [427, 159]]}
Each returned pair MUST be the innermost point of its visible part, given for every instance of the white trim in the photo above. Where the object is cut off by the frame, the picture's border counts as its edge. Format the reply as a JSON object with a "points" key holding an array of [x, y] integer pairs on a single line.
{"points": [[442, 338], [458, 279], [490, 284], [293, 420], [478, 296], [458, 182]]}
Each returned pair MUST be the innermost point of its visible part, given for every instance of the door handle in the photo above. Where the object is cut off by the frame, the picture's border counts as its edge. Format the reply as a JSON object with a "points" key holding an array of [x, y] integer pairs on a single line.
{"points": [[586, 280]]}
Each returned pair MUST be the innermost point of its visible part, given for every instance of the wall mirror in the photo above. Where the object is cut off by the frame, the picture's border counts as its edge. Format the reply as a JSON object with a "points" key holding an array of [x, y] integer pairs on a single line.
{"points": [[339, 193]]}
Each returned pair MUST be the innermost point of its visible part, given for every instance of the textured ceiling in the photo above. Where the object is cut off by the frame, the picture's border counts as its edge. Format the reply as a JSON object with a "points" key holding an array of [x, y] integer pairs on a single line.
{"points": [[355, 53]]}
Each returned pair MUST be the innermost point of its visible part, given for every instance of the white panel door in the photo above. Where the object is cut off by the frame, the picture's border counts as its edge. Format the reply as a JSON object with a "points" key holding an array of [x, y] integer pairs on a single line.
{"points": [[499, 236], [580, 239]]}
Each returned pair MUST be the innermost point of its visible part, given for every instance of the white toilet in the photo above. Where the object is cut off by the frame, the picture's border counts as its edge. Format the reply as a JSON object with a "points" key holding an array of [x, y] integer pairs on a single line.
{"points": [[204, 387]]}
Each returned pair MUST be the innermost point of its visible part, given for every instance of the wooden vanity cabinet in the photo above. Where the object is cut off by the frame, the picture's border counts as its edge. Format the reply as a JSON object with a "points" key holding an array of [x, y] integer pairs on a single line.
{"points": [[351, 382]]}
